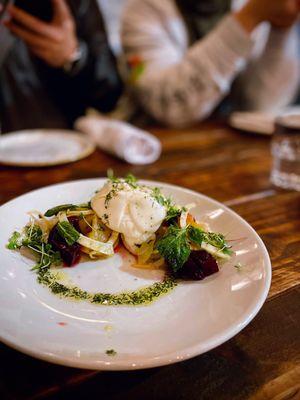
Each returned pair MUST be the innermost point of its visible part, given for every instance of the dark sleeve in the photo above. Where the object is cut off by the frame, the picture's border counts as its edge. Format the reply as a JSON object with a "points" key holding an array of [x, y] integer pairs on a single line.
{"points": [[97, 80]]}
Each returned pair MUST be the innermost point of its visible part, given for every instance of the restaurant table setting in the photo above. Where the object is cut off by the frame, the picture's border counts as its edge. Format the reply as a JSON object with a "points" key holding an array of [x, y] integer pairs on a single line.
{"points": [[234, 335], [46, 147]]}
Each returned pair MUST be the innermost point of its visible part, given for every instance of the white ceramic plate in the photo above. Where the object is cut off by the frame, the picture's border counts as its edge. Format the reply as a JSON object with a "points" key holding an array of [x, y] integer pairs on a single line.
{"points": [[259, 121], [255, 121], [43, 147], [192, 319]]}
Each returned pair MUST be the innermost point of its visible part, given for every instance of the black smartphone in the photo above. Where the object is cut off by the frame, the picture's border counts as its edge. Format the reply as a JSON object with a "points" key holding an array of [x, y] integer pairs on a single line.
{"points": [[41, 9]]}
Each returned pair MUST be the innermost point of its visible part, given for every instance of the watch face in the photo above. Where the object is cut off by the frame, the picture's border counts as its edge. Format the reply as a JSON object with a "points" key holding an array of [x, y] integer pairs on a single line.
{"points": [[75, 57]]}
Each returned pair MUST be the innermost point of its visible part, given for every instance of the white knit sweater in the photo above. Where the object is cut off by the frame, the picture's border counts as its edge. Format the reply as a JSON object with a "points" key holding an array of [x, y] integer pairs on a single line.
{"points": [[181, 84]]}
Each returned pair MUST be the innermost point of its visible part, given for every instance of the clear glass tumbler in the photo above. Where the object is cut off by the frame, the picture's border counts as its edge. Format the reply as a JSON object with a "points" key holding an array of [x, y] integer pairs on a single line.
{"points": [[285, 150]]}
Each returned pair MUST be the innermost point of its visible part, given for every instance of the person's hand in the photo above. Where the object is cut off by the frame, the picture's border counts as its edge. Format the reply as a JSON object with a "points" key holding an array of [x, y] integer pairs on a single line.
{"points": [[54, 42], [280, 13]]}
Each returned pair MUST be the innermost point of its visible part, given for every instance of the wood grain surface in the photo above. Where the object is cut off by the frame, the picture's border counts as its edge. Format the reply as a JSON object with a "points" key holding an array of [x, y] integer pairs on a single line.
{"points": [[261, 362]]}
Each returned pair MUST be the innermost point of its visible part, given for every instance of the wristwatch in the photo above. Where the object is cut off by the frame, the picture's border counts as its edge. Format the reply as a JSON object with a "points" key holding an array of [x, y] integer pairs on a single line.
{"points": [[76, 58]]}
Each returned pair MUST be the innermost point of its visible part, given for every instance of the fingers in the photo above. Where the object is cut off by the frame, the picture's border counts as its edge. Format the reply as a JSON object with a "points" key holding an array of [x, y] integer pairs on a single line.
{"points": [[39, 46], [29, 37], [39, 52], [32, 23], [61, 10], [42, 54]]}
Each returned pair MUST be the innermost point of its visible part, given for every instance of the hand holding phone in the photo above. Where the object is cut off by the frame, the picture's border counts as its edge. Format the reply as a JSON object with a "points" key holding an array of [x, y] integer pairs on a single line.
{"points": [[55, 42]]}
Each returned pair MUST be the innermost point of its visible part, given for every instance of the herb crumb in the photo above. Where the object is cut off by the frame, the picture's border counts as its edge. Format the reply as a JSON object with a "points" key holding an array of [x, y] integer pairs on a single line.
{"points": [[111, 352], [108, 328], [238, 266]]}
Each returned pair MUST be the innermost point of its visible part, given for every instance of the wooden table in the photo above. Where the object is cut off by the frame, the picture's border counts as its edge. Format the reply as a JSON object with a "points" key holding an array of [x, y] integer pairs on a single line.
{"points": [[261, 362]]}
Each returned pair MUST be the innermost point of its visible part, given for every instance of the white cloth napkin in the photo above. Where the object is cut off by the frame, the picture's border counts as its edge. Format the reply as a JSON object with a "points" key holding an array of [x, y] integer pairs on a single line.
{"points": [[121, 139]]}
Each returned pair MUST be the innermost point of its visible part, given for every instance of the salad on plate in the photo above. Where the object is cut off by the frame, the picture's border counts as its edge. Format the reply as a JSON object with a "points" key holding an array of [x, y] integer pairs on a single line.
{"points": [[159, 233]]}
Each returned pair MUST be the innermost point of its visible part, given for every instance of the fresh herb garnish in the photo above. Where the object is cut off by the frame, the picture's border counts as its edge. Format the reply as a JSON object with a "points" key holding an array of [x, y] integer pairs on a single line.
{"points": [[160, 198], [118, 184], [68, 232], [105, 217], [174, 247], [111, 176], [196, 235], [32, 238], [173, 212], [47, 255], [217, 240], [15, 241], [111, 352], [33, 235], [131, 180], [108, 197], [238, 266]]}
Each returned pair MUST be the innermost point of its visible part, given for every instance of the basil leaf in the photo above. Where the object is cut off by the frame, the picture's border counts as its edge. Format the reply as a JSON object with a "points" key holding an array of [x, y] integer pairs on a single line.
{"points": [[68, 232], [196, 235], [174, 247], [173, 213]]}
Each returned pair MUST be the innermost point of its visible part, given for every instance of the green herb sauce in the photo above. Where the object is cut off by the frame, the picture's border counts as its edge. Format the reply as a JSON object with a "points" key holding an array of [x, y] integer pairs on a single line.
{"points": [[143, 296]]}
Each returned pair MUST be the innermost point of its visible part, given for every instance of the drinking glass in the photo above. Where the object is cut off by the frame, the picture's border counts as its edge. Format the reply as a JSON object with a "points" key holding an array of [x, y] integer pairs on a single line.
{"points": [[285, 150]]}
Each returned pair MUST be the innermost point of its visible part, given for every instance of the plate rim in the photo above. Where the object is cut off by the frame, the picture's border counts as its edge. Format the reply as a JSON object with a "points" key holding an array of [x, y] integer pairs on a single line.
{"points": [[90, 147], [165, 359]]}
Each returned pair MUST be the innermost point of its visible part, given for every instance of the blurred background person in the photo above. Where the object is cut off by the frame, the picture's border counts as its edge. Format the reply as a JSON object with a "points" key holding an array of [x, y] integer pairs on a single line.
{"points": [[54, 63], [112, 12], [188, 58]]}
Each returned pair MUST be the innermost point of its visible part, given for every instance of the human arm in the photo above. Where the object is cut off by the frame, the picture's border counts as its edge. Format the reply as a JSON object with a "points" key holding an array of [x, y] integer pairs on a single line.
{"points": [[271, 80], [180, 87]]}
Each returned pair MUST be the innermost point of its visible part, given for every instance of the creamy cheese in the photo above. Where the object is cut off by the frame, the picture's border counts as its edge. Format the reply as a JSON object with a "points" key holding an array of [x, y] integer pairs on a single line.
{"points": [[133, 212]]}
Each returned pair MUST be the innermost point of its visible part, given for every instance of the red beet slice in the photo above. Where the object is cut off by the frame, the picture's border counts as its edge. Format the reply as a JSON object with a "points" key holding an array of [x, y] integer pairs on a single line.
{"points": [[69, 254], [199, 265], [75, 222]]}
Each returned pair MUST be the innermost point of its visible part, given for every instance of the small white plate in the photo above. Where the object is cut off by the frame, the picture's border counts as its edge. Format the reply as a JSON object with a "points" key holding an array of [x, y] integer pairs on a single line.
{"points": [[43, 147], [259, 121], [192, 319]]}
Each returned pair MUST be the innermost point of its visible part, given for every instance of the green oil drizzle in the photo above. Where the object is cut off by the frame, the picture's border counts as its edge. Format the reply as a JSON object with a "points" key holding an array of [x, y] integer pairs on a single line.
{"points": [[143, 296]]}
